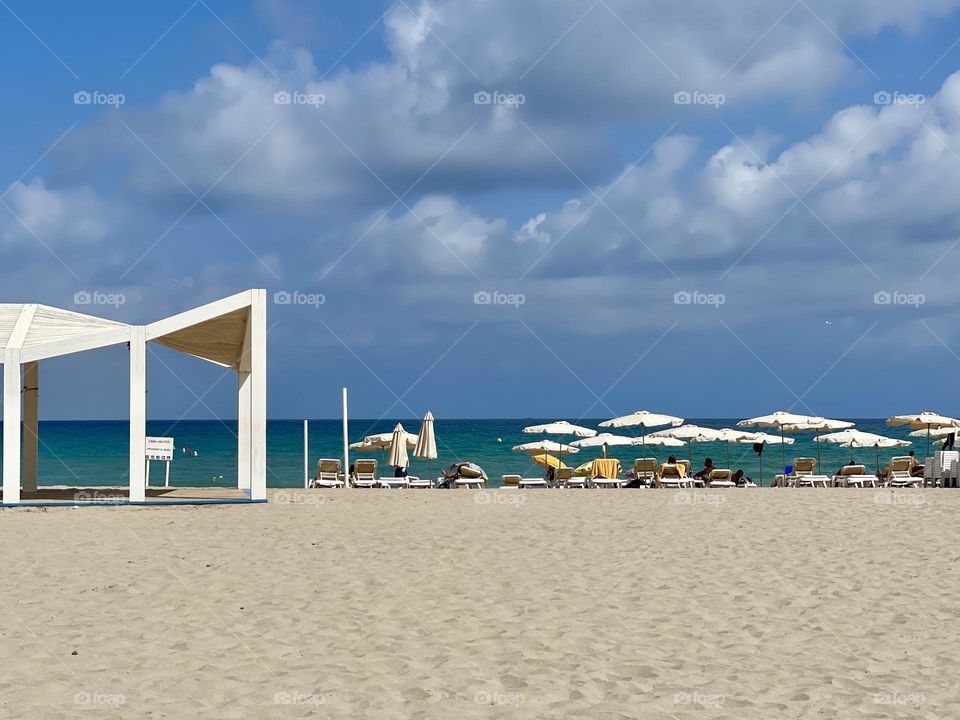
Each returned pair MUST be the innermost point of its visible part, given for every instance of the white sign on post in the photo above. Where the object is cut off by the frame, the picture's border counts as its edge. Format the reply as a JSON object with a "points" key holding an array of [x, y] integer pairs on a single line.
{"points": [[159, 448]]}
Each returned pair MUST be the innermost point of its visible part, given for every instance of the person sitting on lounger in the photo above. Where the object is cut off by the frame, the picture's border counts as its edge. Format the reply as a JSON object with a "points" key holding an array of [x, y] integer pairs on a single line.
{"points": [[916, 469], [672, 467], [707, 469], [740, 478]]}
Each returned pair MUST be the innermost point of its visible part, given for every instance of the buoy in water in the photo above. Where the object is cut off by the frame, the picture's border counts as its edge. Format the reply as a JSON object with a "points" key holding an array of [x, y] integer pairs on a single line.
{"points": [[499, 439]]}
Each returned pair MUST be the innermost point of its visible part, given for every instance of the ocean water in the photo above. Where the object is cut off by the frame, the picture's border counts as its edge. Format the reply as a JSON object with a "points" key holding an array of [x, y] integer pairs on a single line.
{"points": [[95, 453]]}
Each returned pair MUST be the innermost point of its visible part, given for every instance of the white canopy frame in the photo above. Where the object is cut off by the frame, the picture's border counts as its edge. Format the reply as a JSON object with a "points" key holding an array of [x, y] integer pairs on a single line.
{"points": [[231, 332]]}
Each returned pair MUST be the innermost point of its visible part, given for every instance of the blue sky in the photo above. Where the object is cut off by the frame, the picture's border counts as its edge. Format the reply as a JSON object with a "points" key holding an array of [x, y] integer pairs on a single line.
{"points": [[783, 241]]}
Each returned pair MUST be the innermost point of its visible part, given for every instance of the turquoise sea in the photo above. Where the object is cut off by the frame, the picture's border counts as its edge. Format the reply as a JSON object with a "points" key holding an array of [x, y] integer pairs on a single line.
{"points": [[94, 453]]}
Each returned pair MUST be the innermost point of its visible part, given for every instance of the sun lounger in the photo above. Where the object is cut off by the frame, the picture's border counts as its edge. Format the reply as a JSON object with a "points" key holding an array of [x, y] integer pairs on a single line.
{"points": [[328, 475], [414, 482], [721, 478], [810, 480], [564, 477], [364, 474], [645, 470], [854, 476], [511, 481], [606, 474], [533, 482], [672, 475], [899, 476]]}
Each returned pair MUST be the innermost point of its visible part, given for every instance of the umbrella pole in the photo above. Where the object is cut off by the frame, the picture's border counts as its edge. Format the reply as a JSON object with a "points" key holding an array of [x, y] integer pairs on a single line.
{"points": [[727, 443], [761, 466], [878, 459], [819, 469], [783, 451], [928, 442]]}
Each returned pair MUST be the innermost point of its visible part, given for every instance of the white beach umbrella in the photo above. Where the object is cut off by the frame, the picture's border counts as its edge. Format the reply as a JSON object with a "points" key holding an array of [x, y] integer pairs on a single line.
{"points": [[923, 421], [778, 420], [383, 441], [690, 433], [858, 439], [604, 440], [729, 435], [818, 425], [398, 448], [545, 446], [560, 427], [645, 419]]}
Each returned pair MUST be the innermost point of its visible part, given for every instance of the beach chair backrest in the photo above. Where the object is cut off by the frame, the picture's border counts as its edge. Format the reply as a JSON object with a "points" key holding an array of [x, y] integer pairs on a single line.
{"points": [[645, 465], [804, 466], [720, 474], [853, 470], [365, 468], [670, 470], [511, 480], [328, 466], [564, 473], [686, 465], [900, 463]]}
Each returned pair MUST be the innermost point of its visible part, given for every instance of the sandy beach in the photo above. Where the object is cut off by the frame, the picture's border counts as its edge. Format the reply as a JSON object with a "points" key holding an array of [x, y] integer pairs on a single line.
{"points": [[539, 604]]}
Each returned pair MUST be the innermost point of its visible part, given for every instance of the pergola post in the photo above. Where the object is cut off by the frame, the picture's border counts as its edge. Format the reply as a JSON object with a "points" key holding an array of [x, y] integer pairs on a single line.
{"points": [[11, 426], [31, 441], [244, 386], [138, 413], [258, 395]]}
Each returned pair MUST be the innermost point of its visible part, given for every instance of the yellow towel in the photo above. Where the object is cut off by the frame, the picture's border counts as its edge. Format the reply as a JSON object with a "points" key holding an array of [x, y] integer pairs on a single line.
{"points": [[605, 468]]}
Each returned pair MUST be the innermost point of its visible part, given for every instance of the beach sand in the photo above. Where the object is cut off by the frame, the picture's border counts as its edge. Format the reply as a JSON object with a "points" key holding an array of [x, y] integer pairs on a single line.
{"points": [[748, 603]]}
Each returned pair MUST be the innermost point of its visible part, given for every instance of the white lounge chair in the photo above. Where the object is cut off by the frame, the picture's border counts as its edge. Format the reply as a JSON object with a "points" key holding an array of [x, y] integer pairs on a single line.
{"points": [[899, 476], [672, 475], [802, 466], [533, 482], [416, 483], [565, 478], [328, 475], [645, 470], [611, 466], [854, 476], [364, 474], [721, 478], [511, 481]]}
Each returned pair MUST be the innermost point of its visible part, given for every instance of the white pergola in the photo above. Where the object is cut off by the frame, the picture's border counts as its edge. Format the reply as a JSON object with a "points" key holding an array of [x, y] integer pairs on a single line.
{"points": [[231, 332]]}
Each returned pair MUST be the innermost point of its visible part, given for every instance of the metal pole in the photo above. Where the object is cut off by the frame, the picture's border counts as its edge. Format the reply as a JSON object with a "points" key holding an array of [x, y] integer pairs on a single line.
{"points": [[306, 455], [346, 442]]}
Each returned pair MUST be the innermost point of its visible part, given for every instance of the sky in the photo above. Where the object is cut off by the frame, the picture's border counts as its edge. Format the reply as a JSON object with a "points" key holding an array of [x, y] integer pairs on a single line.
{"points": [[548, 208]]}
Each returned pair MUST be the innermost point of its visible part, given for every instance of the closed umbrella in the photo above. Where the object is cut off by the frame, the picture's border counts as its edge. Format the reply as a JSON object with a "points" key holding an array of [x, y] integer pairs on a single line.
{"points": [[923, 421], [426, 447], [383, 441], [398, 448], [645, 419]]}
